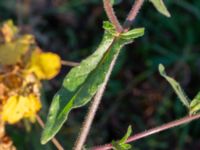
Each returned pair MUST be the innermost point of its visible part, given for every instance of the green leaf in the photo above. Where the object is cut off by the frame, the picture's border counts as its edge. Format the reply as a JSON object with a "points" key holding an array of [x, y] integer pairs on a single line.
{"points": [[126, 146], [160, 6], [82, 82], [195, 104], [132, 33], [109, 27], [176, 86], [116, 145], [137, 32], [126, 136], [121, 144]]}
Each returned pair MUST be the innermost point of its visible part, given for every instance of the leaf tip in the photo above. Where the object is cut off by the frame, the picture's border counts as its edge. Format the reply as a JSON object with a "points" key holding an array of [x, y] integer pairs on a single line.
{"points": [[46, 136], [130, 129], [160, 6], [167, 14], [108, 25], [161, 69], [44, 139]]}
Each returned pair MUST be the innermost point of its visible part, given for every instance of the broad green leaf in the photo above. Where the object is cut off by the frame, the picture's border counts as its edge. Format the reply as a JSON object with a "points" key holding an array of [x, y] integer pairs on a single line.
{"points": [[176, 86], [195, 104], [160, 6], [66, 98], [82, 82], [121, 144]]}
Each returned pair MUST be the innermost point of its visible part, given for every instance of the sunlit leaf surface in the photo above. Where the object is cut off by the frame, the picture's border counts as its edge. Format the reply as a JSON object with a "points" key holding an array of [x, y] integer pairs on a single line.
{"points": [[83, 81]]}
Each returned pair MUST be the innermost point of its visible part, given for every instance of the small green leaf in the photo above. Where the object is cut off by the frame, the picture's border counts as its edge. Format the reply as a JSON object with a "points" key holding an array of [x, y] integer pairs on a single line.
{"points": [[126, 136], [109, 27], [116, 146], [121, 144], [137, 32], [195, 104], [132, 34], [126, 146], [82, 82], [176, 86], [160, 6]]}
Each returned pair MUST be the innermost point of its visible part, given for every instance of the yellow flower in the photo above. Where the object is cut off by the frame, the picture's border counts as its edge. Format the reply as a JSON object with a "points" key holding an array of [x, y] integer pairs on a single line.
{"points": [[12, 49], [33, 107], [44, 65], [27, 65], [18, 107]]}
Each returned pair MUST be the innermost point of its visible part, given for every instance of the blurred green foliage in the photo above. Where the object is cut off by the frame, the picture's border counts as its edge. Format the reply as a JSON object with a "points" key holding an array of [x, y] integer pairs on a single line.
{"points": [[136, 94]]}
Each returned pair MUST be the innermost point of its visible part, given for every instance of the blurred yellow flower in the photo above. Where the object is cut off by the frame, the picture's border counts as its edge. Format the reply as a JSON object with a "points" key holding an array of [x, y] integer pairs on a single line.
{"points": [[18, 107], [44, 65], [23, 65], [9, 30], [13, 49]]}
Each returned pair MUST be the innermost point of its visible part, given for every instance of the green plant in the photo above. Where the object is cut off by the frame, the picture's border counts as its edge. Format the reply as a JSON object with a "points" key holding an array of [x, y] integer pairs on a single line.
{"points": [[91, 76]]}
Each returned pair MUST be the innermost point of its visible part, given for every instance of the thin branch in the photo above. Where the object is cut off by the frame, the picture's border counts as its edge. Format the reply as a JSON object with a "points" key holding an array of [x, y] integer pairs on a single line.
{"points": [[54, 140], [69, 63], [132, 14], [111, 15], [96, 101], [153, 131], [92, 109]]}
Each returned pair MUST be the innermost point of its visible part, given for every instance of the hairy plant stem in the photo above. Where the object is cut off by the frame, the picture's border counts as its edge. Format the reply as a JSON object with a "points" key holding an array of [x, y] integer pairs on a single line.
{"points": [[92, 109], [111, 15], [96, 101], [153, 131], [132, 14], [54, 140]]}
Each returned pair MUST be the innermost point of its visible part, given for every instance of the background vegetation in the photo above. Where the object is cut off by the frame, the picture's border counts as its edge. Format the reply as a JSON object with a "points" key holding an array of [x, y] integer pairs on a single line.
{"points": [[136, 94]]}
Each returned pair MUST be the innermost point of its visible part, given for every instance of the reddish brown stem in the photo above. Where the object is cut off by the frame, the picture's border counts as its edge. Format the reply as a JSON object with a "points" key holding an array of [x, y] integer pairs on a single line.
{"points": [[111, 15], [132, 14], [54, 140], [153, 131]]}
